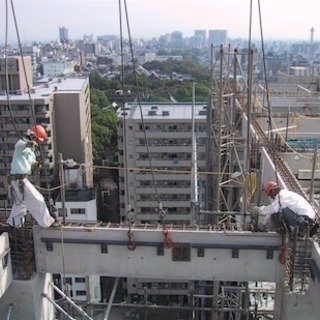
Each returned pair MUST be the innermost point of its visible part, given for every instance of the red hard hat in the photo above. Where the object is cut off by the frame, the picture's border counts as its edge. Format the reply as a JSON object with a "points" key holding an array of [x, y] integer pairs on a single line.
{"points": [[39, 132], [270, 186]]}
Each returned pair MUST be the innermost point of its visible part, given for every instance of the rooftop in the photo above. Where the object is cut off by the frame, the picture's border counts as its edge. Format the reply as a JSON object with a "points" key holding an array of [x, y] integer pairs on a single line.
{"points": [[47, 88], [159, 111]]}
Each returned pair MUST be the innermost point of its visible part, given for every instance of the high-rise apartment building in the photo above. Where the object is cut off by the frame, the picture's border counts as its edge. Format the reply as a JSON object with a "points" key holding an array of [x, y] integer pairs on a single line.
{"points": [[63, 34], [218, 37], [165, 135], [17, 81], [156, 160], [62, 106], [201, 37]]}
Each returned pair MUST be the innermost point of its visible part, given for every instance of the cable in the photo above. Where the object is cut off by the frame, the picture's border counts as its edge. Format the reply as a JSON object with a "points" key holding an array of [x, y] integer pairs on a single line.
{"points": [[28, 91], [134, 169], [123, 108], [7, 75], [141, 113]]}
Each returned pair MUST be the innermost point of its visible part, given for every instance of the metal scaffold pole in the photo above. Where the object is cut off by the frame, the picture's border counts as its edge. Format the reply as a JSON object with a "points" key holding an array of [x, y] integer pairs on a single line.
{"points": [[113, 293], [82, 312]]}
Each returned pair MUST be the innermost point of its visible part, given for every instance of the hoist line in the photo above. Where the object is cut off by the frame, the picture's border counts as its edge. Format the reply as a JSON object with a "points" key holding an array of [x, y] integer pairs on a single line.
{"points": [[39, 148], [7, 74], [29, 95], [270, 127], [27, 83], [124, 110], [139, 103], [273, 150], [267, 86]]}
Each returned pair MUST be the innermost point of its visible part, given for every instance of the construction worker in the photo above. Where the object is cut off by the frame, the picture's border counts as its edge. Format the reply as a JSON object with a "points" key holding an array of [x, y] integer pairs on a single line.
{"points": [[24, 194], [287, 209]]}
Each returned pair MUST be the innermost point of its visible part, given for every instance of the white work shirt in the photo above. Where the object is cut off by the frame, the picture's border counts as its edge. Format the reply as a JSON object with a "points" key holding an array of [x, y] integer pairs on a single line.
{"points": [[23, 158], [291, 200]]}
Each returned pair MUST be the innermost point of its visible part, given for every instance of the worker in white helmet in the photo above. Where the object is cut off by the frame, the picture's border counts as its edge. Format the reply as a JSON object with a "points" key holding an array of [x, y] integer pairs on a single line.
{"points": [[24, 195]]}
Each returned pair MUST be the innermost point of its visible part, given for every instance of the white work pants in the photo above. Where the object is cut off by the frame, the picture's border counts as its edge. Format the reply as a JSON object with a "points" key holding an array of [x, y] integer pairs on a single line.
{"points": [[32, 200]]}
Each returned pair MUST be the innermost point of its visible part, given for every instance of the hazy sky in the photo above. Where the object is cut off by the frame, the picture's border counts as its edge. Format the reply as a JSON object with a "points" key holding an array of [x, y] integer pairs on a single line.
{"points": [[281, 19]]}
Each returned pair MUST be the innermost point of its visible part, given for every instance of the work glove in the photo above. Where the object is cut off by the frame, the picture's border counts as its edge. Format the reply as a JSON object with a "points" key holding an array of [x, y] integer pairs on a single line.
{"points": [[254, 211], [32, 143], [37, 166]]}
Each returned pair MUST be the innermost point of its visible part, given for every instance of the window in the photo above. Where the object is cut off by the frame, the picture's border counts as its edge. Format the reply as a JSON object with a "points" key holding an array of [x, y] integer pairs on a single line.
{"points": [[60, 212], [78, 211], [80, 280], [81, 292], [42, 108]]}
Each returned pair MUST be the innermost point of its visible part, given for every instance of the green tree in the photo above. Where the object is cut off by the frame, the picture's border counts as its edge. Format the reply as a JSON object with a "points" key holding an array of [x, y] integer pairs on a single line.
{"points": [[103, 124]]}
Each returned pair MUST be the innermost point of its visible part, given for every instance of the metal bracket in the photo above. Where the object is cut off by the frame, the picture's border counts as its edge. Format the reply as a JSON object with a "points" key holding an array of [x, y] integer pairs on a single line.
{"points": [[201, 252], [104, 248], [181, 252], [235, 253], [5, 261], [269, 254], [49, 245], [160, 249]]}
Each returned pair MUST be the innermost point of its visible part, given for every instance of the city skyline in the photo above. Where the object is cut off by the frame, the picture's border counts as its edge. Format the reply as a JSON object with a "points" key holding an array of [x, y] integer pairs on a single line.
{"points": [[40, 19]]}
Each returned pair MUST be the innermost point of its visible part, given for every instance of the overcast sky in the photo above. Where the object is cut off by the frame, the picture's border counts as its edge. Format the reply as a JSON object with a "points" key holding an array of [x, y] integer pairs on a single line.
{"points": [[281, 19]]}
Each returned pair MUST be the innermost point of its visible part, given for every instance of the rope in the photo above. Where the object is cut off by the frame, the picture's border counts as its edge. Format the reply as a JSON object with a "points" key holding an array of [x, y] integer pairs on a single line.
{"points": [[139, 102], [27, 84], [134, 169], [123, 108], [7, 75]]}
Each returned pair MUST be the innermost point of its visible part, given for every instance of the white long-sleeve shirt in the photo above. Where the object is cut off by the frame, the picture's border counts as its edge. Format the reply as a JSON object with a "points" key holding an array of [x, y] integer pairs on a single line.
{"points": [[291, 200], [23, 158]]}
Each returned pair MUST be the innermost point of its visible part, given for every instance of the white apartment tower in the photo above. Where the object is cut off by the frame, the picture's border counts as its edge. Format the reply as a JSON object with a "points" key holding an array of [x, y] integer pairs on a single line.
{"points": [[152, 151]]}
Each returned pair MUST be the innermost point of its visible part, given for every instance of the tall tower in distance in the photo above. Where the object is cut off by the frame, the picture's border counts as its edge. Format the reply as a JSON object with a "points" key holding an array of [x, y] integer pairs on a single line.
{"points": [[311, 34], [63, 35]]}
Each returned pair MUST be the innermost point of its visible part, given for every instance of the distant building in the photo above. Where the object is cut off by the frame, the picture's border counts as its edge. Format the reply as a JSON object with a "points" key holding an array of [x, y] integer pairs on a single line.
{"points": [[16, 82], [57, 67], [152, 56], [218, 37], [199, 38], [176, 39], [63, 35], [90, 49]]}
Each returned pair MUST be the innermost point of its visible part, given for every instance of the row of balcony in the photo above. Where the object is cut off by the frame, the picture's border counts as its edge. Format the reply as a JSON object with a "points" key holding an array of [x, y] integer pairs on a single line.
{"points": [[167, 134], [154, 204], [167, 148], [172, 176], [23, 113]]}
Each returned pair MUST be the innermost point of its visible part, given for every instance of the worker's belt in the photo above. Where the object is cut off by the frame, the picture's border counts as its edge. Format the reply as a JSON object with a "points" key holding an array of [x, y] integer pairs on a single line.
{"points": [[17, 176], [308, 219]]}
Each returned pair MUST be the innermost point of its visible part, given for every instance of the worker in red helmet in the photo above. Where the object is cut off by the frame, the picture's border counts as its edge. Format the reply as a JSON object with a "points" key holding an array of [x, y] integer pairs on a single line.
{"points": [[23, 193], [287, 209]]}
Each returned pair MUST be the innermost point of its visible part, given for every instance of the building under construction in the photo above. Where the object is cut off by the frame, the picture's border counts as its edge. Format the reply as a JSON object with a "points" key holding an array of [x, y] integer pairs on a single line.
{"points": [[206, 261]]}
